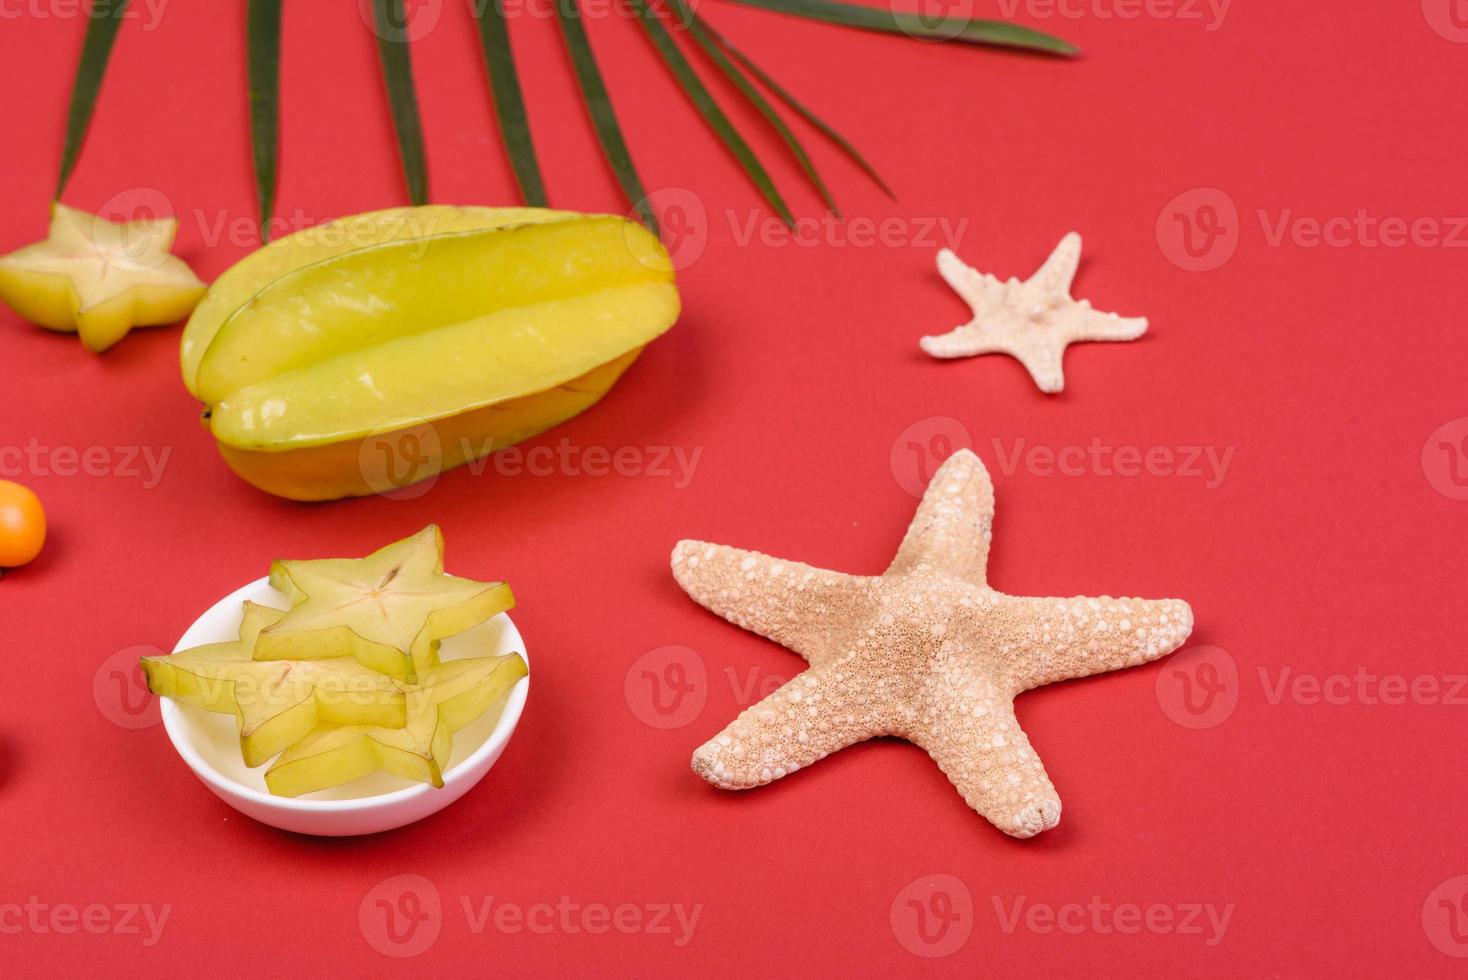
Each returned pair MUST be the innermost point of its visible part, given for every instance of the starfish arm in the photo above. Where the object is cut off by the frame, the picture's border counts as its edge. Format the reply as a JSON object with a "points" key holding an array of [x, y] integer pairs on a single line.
{"points": [[968, 340], [954, 523], [795, 605], [974, 287], [808, 718], [1055, 639], [1059, 270], [1042, 358], [1089, 324], [971, 732]]}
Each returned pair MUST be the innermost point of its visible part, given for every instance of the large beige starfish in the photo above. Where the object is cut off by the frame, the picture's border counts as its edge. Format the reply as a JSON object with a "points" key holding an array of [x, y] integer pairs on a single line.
{"points": [[1032, 321], [926, 651]]}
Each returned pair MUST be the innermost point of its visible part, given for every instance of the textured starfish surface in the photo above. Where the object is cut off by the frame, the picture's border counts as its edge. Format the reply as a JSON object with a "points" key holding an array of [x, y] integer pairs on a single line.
{"points": [[926, 651], [389, 610], [100, 278], [1032, 321]]}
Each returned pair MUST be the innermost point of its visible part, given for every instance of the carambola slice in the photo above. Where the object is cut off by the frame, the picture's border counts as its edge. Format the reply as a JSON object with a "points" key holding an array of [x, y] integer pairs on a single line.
{"points": [[451, 696], [275, 702], [388, 610]]}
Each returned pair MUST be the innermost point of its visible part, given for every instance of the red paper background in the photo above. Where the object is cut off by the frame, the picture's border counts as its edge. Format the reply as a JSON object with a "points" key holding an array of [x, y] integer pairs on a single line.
{"points": [[1327, 549]]}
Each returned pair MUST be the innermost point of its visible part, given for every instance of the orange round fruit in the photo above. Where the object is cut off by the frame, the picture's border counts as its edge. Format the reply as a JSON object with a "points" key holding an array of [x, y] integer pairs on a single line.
{"points": [[22, 525]]}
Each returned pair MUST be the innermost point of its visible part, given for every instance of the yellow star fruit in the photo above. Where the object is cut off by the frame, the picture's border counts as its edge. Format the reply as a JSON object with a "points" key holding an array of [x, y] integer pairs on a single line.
{"points": [[277, 702], [451, 696], [100, 278], [388, 610]]}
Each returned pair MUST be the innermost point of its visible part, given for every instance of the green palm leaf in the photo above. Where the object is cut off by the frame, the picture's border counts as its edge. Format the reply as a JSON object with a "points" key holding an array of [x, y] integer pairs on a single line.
{"points": [[795, 104], [972, 30], [509, 103], [262, 29], [707, 40], [704, 102], [599, 108], [397, 70], [104, 19]]}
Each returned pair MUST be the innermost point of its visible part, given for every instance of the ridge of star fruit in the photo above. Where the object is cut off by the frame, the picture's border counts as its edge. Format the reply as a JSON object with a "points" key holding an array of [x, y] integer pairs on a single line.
{"points": [[100, 278], [451, 695], [275, 703], [388, 610]]}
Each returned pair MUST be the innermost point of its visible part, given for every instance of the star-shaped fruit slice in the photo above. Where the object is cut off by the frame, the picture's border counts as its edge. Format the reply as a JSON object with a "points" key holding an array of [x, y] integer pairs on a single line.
{"points": [[1032, 321], [926, 651], [388, 610], [100, 278], [452, 695], [275, 702]]}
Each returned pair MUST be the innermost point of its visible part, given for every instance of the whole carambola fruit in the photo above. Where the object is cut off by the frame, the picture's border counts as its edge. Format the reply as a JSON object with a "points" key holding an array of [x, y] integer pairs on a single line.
{"points": [[386, 348]]}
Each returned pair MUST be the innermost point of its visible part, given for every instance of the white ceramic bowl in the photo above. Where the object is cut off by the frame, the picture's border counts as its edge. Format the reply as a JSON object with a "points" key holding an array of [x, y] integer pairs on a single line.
{"points": [[209, 743]]}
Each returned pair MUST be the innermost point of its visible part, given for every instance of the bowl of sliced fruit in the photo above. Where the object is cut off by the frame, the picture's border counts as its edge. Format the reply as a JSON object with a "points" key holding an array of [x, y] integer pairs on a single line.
{"points": [[347, 696]]}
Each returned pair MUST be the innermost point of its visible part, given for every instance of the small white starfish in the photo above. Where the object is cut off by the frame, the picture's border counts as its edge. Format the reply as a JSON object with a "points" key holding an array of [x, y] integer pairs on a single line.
{"points": [[1032, 321]]}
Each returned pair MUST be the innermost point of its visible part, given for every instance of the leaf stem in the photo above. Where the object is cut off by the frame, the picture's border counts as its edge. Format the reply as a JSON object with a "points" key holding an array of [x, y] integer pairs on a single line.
{"points": [[391, 25], [509, 101], [972, 30], [262, 30], [103, 20], [599, 107], [703, 101]]}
